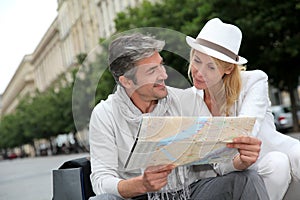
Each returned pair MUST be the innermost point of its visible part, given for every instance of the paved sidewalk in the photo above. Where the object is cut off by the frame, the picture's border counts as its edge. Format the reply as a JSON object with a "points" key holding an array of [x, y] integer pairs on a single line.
{"points": [[294, 191]]}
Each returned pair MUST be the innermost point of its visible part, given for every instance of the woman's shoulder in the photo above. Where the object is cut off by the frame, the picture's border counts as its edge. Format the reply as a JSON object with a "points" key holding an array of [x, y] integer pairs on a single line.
{"points": [[253, 76]]}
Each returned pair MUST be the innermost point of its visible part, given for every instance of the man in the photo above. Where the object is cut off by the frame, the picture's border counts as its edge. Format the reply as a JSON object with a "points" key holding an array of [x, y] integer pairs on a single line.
{"points": [[137, 67]]}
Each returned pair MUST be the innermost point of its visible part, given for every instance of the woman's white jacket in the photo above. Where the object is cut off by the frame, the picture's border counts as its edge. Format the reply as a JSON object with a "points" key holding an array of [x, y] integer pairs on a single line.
{"points": [[254, 101]]}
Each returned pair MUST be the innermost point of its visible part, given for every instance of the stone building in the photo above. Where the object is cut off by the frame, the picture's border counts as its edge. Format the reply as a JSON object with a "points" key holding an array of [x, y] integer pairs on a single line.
{"points": [[77, 29]]}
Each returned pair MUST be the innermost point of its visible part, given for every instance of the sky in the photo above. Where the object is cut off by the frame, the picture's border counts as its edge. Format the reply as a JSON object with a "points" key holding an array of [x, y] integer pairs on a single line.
{"points": [[23, 23]]}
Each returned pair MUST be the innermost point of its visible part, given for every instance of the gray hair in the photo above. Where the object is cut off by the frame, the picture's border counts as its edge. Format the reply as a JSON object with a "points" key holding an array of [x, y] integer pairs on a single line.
{"points": [[126, 50]]}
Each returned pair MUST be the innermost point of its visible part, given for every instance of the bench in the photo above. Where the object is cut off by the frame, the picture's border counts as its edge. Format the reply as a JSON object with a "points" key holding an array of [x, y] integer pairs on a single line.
{"points": [[79, 171]]}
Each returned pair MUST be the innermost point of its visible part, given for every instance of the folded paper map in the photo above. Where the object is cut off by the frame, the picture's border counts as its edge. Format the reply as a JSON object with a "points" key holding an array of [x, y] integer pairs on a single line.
{"points": [[186, 140]]}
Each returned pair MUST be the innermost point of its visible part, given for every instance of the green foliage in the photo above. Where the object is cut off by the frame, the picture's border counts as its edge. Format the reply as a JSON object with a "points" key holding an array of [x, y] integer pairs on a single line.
{"points": [[81, 57], [167, 14], [171, 15], [43, 115], [11, 131], [50, 113], [270, 29], [104, 81], [271, 35], [93, 82]]}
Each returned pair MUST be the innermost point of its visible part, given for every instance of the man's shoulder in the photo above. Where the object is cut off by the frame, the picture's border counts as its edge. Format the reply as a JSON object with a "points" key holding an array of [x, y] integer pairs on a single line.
{"points": [[105, 104]]}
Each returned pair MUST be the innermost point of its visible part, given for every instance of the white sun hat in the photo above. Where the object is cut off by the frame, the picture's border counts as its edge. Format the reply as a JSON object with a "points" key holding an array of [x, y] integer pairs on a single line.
{"points": [[219, 40]]}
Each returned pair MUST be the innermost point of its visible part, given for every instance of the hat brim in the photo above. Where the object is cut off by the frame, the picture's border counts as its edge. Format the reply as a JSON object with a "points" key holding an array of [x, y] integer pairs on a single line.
{"points": [[213, 53]]}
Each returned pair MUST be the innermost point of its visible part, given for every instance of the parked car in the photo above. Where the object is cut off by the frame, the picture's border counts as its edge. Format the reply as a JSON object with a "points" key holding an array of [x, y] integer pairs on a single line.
{"points": [[282, 117]]}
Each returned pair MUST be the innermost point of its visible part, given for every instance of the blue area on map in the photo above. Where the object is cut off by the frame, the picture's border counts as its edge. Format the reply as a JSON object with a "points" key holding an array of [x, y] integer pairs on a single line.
{"points": [[185, 133], [168, 155], [215, 155]]}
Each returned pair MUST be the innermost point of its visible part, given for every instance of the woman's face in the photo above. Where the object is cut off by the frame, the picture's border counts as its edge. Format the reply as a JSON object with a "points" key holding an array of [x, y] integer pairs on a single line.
{"points": [[205, 72]]}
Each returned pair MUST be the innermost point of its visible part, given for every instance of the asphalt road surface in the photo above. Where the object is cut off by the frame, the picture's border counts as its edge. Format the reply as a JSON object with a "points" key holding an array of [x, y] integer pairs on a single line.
{"points": [[30, 178]]}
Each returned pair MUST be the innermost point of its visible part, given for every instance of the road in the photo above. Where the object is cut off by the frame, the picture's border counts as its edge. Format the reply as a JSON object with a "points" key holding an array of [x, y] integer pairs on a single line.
{"points": [[30, 178], [294, 135]]}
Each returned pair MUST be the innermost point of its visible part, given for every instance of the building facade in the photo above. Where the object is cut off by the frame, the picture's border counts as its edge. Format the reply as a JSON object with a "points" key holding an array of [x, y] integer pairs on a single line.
{"points": [[22, 83], [77, 29]]}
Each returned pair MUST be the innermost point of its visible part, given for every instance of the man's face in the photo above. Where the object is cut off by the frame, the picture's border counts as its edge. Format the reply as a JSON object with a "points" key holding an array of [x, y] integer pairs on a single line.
{"points": [[149, 82]]}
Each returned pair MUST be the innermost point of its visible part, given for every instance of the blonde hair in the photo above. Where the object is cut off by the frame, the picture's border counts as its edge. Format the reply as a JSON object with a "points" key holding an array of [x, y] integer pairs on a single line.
{"points": [[232, 82]]}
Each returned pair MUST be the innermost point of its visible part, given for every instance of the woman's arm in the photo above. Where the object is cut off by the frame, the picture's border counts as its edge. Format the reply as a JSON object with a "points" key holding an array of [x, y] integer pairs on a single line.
{"points": [[254, 98], [249, 148]]}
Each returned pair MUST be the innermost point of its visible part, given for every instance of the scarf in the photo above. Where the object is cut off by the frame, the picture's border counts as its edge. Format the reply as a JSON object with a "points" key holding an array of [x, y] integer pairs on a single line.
{"points": [[130, 116]]}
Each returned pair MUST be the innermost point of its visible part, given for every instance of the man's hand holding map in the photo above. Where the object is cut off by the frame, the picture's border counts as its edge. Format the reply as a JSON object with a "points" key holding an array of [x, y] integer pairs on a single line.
{"points": [[186, 140]]}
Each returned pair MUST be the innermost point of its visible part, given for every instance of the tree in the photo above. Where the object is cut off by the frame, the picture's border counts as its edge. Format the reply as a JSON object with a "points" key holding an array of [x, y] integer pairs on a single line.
{"points": [[167, 14], [12, 132], [42, 115], [271, 39], [271, 35], [92, 83]]}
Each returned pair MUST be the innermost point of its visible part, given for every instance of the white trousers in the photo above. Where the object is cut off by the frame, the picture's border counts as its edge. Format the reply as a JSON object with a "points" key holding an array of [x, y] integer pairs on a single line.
{"points": [[274, 168], [273, 140], [294, 157]]}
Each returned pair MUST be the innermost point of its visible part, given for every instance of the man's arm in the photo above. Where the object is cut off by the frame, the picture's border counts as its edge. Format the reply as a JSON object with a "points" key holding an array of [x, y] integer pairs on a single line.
{"points": [[153, 179], [104, 162], [103, 151]]}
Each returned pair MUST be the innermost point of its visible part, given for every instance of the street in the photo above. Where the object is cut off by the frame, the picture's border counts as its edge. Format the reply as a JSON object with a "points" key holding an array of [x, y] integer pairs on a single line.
{"points": [[30, 178], [294, 135]]}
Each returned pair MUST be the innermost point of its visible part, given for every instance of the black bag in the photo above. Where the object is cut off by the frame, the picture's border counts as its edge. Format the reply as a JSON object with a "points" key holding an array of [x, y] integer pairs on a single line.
{"points": [[72, 180], [67, 184]]}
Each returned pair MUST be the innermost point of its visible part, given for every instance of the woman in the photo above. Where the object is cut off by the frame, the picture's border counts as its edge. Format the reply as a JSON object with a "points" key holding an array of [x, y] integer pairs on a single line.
{"points": [[229, 91]]}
